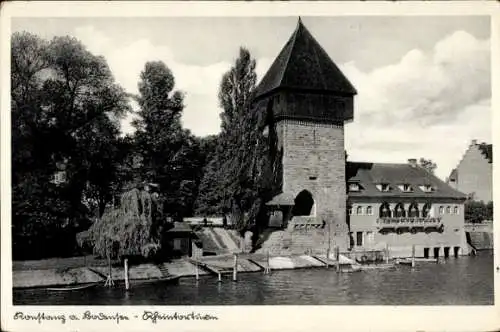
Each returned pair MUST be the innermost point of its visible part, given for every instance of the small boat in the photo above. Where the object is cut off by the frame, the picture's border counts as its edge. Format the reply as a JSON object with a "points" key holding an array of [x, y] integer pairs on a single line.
{"points": [[404, 262], [71, 288]]}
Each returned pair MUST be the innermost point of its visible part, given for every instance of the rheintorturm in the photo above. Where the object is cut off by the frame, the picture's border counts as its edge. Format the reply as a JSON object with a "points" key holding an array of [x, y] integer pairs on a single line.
{"points": [[308, 100]]}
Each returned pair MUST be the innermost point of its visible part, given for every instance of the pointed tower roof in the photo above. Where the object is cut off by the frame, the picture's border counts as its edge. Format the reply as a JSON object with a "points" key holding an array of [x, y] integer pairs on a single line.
{"points": [[304, 65]]}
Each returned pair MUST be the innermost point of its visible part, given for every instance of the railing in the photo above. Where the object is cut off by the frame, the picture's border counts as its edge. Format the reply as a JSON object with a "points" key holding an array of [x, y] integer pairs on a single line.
{"points": [[408, 221]]}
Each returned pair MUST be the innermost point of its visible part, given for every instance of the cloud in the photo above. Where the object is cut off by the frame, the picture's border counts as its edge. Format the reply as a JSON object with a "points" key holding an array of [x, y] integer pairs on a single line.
{"points": [[425, 88], [199, 83], [426, 105]]}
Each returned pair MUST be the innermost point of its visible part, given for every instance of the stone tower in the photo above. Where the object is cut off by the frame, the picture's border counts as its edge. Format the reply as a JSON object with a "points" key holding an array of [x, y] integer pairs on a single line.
{"points": [[308, 100]]}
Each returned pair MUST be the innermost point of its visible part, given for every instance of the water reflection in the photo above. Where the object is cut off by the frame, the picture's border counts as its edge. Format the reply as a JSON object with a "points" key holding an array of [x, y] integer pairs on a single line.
{"points": [[462, 281]]}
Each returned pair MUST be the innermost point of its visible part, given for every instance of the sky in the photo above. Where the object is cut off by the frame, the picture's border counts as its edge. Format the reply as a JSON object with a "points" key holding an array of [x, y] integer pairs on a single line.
{"points": [[423, 82]]}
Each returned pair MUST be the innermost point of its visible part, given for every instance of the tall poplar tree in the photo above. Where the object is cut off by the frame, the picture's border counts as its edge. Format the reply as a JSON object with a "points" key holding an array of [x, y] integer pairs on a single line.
{"points": [[235, 179], [168, 150]]}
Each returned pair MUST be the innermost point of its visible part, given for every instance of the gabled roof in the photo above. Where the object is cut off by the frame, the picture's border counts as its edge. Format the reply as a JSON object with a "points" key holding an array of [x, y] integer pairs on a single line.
{"points": [[371, 174], [283, 199], [180, 227], [303, 64], [487, 151], [453, 175]]}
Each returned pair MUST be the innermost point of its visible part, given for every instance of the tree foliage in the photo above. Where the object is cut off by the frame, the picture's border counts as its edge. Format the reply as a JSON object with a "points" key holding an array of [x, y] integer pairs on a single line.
{"points": [[235, 177], [427, 164], [65, 117], [171, 156], [478, 211], [133, 229]]}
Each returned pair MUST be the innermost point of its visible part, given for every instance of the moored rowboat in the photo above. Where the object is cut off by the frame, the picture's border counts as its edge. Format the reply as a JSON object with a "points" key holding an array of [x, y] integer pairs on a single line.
{"points": [[71, 288]]}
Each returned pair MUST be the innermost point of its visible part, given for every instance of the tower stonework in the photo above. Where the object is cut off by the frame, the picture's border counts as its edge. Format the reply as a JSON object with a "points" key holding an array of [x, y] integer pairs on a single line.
{"points": [[308, 100]]}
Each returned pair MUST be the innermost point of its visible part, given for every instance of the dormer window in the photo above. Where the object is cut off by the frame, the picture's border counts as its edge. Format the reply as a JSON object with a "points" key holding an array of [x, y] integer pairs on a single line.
{"points": [[427, 188], [354, 187], [383, 187], [406, 188]]}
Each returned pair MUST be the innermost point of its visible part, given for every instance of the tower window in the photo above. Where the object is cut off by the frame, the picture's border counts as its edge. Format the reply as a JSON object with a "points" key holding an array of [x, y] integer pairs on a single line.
{"points": [[359, 211], [441, 210], [448, 210], [455, 210]]}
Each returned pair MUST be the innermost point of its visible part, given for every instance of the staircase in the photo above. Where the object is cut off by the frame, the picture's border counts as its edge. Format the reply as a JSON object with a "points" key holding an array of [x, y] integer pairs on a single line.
{"points": [[296, 242], [226, 239], [480, 240]]}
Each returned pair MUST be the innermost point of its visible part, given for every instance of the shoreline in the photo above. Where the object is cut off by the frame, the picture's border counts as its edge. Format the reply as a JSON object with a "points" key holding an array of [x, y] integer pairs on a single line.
{"points": [[173, 271], [28, 278]]}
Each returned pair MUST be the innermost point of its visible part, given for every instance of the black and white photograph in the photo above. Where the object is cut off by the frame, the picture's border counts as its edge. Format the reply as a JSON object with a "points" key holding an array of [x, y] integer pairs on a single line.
{"points": [[334, 160]]}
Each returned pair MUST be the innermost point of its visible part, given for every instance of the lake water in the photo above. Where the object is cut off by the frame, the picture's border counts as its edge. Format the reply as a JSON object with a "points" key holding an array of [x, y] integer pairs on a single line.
{"points": [[455, 281]]}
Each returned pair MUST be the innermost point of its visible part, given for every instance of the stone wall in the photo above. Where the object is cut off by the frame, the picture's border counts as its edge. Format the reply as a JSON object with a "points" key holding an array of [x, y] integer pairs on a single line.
{"points": [[314, 160]]}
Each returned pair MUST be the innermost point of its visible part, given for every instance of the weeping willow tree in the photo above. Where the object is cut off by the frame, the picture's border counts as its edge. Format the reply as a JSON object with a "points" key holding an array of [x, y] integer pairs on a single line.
{"points": [[133, 229]]}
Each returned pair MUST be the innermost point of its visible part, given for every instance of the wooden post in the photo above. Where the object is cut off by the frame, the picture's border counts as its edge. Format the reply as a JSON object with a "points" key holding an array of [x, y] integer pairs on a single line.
{"points": [[337, 257], [125, 262], [327, 256], [196, 271], [220, 277], [413, 256], [387, 253], [267, 269], [235, 267], [109, 266]]}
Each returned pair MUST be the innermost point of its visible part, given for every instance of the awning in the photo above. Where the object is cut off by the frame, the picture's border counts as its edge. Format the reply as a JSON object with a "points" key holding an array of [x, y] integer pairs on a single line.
{"points": [[283, 199]]}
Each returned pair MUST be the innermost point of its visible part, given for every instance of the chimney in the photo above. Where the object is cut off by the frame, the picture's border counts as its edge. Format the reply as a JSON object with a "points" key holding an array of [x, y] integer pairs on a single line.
{"points": [[412, 162]]}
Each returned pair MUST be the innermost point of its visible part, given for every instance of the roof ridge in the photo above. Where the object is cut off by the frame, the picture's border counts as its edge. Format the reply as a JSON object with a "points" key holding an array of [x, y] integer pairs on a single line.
{"points": [[292, 41]]}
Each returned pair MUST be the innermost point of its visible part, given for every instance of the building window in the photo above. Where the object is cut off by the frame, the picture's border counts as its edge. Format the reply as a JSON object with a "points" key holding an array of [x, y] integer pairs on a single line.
{"points": [[359, 238], [354, 187], [370, 237], [455, 210], [383, 187], [413, 211], [448, 210], [399, 211], [369, 210], [359, 211], [426, 211], [406, 188], [441, 210], [427, 188], [385, 210], [177, 244]]}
